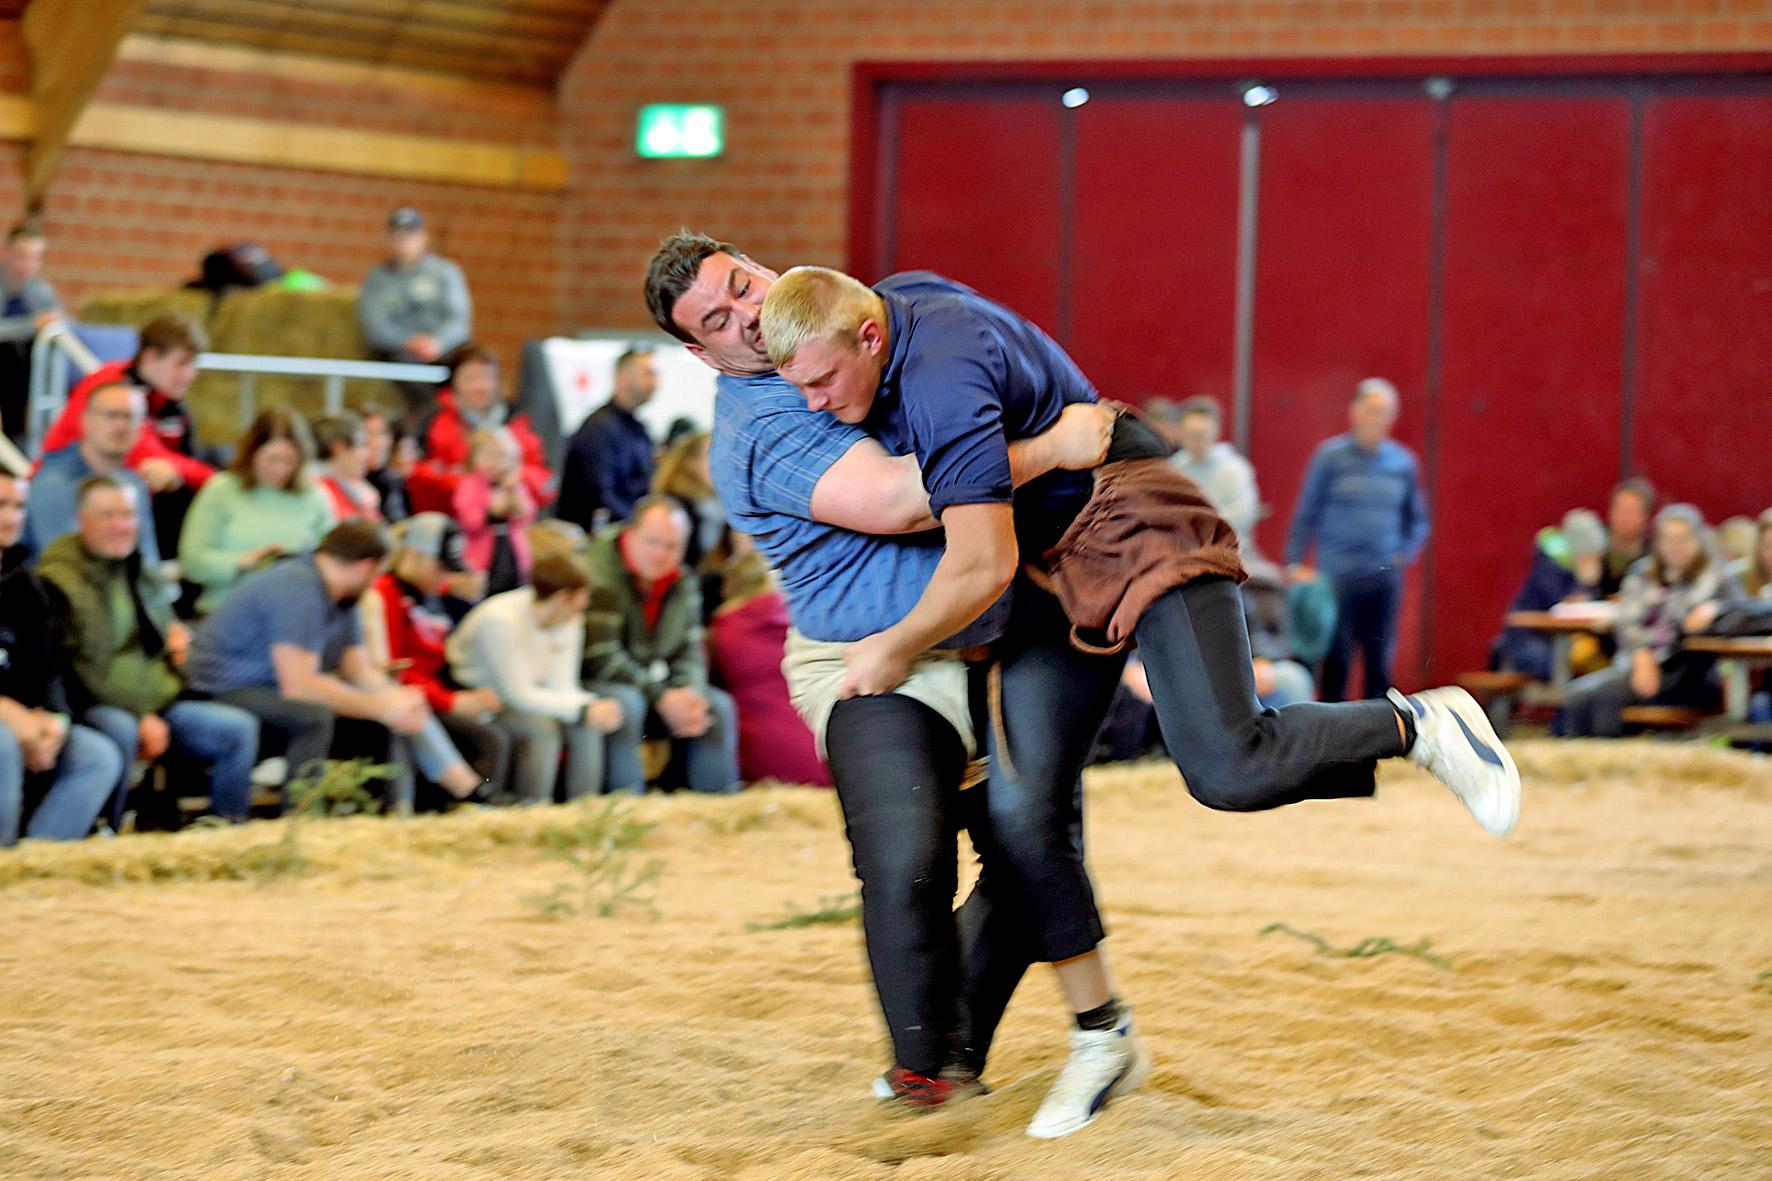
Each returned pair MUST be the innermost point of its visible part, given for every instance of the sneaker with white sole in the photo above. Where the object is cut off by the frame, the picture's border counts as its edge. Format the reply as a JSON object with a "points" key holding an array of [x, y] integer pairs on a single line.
{"points": [[1104, 1065], [1455, 742]]}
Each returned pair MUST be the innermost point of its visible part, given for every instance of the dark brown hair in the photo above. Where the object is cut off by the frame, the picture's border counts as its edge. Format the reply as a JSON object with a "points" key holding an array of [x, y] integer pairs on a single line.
{"points": [[356, 540], [673, 271], [169, 334], [269, 427], [467, 353], [558, 574]]}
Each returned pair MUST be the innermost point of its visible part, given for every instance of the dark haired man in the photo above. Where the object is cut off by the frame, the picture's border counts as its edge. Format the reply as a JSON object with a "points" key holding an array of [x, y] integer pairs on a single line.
{"points": [[609, 462]]}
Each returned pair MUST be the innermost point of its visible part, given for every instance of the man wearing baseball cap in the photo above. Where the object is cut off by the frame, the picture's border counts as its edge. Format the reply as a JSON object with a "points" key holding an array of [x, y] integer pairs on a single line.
{"points": [[414, 305], [404, 628]]}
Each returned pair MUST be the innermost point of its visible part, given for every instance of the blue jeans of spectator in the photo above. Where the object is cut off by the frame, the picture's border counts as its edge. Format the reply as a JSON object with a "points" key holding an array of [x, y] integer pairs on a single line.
{"points": [[1366, 607], [1595, 705], [222, 736], [540, 740], [71, 794], [308, 734], [710, 762], [1292, 684]]}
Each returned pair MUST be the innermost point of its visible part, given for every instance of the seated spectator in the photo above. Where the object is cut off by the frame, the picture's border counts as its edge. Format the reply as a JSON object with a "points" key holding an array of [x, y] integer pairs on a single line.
{"points": [[1567, 566], [414, 305], [110, 421], [287, 647], [608, 464], [1736, 538], [54, 777], [27, 304], [745, 644], [164, 451], [1678, 590], [524, 645], [1627, 532], [470, 404], [390, 455], [126, 652], [405, 625], [644, 632], [264, 507], [343, 468], [1752, 614], [1223, 475], [494, 511], [683, 476]]}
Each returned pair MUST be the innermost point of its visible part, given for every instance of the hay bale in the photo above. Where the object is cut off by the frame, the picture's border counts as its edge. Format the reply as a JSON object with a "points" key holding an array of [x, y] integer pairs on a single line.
{"points": [[136, 307], [270, 321]]}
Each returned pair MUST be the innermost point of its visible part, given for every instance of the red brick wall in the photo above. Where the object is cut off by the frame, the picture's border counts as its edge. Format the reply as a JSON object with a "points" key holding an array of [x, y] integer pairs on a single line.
{"points": [[121, 219], [782, 70]]}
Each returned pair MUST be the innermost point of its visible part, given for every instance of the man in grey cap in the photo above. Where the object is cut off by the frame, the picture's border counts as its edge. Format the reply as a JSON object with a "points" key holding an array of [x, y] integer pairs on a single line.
{"points": [[414, 305]]}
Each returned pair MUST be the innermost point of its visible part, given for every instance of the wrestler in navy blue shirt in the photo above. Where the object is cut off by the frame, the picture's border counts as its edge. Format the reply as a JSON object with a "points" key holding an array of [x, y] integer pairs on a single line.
{"points": [[963, 377]]}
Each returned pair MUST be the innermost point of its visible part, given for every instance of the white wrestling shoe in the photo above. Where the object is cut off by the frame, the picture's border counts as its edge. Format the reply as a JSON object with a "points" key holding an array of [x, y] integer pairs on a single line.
{"points": [[1104, 1065], [1456, 744]]}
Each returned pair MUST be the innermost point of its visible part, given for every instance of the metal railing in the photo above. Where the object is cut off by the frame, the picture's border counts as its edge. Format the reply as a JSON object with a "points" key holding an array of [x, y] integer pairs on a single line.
{"points": [[57, 348]]}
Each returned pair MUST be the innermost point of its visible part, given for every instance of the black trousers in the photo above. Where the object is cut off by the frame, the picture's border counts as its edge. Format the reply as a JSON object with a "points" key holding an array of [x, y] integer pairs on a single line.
{"points": [[1366, 607], [943, 978]]}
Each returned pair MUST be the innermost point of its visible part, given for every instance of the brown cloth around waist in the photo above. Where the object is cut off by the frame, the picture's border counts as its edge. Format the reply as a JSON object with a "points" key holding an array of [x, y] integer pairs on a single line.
{"points": [[1146, 530]]}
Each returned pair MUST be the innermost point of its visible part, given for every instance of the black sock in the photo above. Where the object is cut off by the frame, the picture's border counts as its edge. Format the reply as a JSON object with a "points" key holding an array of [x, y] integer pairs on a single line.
{"points": [[1101, 1018], [1408, 716]]}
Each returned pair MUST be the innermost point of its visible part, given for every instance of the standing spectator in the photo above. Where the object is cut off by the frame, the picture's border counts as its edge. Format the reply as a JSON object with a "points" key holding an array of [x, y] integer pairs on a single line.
{"points": [[387, 461], [27, 304], [472, 403], [644, 632], [1680, 589], [524, 645], [1363, 511], [1627, 532], [54, 777], [414, 305], [1567, 562], [494, 510], [608, 464], [343, 470], [405, 626], [1223, 475], [126, 652], [745, 643], [287, 647], [110, 421], [264, 507], [164, 450]]}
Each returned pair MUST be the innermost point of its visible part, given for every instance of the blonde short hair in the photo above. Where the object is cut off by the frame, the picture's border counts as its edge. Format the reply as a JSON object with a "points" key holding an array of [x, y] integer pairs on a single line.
{"points": [[816, 303]]}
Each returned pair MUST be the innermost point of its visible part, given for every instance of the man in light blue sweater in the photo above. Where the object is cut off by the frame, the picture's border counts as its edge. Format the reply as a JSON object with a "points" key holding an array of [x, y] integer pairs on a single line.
{"points": [[1363, 511]]}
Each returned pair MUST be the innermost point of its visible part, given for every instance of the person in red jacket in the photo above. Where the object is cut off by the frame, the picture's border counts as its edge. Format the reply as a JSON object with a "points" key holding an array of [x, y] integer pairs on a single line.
{"points": [[165, 455], [404, 628], [470, 403]]}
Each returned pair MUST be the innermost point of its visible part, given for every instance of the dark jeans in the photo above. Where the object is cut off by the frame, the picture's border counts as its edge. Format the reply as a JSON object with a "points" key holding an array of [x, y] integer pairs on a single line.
{"points": [[1596, 703], [308, 733], [943, 979], [486, 746], [1366, 607], [1235, 755]]}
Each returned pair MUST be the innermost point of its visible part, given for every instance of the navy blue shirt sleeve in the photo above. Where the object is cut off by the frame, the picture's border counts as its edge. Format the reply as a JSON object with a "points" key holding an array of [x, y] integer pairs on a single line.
{"points": [[953, 409]]}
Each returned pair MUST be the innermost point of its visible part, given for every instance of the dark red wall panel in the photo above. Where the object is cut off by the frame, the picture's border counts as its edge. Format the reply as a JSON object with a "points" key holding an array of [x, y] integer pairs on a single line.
{"points": [[1154, 246], [1341, 291], [1704, 402], [1536, 236], [975, 195]]}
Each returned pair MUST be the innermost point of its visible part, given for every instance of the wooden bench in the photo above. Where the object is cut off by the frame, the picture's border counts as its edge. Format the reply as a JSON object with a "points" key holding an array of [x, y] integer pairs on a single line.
{"points": [[1496, 692], [1668, 718]]}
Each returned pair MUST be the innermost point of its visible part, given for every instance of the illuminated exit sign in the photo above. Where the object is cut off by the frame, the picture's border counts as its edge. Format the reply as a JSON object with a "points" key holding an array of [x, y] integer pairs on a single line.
{"points": [[679, 130]]}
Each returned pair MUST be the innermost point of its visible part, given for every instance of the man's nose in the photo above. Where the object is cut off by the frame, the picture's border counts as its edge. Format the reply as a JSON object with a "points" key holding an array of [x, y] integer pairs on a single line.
{"points": [[816, 399]]}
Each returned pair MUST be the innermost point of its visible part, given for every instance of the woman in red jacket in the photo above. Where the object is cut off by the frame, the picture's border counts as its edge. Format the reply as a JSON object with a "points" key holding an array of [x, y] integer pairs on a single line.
{"points": [[471, 403]]}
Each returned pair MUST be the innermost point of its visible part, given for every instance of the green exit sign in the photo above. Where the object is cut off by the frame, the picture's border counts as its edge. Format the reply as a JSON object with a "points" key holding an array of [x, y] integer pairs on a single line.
{"points": [[679, 130]]}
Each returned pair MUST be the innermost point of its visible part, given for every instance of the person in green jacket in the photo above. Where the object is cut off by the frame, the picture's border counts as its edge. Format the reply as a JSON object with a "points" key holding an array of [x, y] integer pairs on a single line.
{"points": [[644, 632], [125, 650], [264, 507]]}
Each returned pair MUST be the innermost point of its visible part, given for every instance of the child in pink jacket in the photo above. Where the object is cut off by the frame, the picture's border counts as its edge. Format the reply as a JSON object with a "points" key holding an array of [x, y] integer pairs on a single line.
{"points": [[494, 509]]}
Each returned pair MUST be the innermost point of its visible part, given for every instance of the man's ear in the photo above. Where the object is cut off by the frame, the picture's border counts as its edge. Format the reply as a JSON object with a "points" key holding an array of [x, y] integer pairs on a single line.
{"points": [[871, 337], [701, 354]]}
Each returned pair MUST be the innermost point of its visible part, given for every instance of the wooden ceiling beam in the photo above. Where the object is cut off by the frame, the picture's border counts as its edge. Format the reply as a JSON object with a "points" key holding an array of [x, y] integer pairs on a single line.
{"points": [[71, 44]]}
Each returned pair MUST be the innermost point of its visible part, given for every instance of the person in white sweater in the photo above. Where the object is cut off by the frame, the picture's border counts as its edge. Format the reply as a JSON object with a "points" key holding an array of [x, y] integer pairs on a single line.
{"points": [[526, 645]]}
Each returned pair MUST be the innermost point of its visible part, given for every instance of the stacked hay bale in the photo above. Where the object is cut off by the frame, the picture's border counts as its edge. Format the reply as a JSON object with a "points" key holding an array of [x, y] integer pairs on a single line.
{"points": [[266, 321]]}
